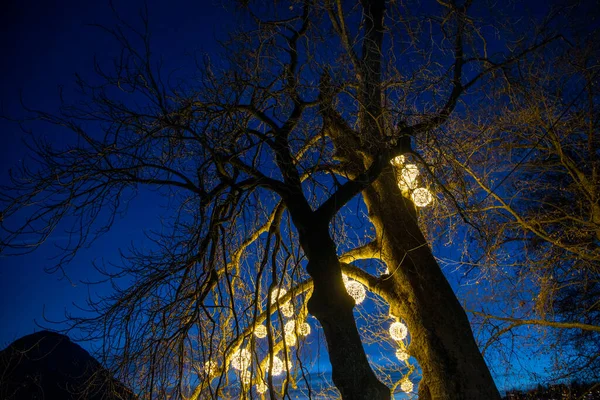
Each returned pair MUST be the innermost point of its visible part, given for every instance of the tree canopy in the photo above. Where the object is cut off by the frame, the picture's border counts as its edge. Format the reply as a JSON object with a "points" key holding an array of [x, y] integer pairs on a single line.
{"points": [[314, 165]]}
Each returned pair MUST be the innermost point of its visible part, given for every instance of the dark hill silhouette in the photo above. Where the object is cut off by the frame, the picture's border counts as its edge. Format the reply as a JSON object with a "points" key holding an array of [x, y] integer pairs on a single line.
{"points": [[47, 365]]}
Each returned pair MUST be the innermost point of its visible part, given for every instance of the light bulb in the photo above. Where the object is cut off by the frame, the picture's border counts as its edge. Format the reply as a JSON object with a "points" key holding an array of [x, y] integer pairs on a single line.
{"points": [[277, 293], [260, 331], [397, 161], [261, 388], [287, 309], [422, 197], [407, 386], [398, 331], [241, 359], [290, 339], [408, 176], [304, 329], [357, 291], [277, 366], [402, 355], [289, 327]]}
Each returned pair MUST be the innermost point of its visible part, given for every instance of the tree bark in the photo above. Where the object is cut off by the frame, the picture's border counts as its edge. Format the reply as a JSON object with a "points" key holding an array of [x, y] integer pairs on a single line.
{"points": [[441, 336], [333, 307]]}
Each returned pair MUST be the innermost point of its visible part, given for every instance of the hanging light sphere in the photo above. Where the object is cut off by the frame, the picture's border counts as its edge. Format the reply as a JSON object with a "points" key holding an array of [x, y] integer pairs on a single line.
{"points": [[408, 176], [398, 331], [277, 366], [246, 377], [304, 329], [277, 294], [210, 367], [357, 291], [422, 197], [241, 359], [407, 386], [402, 355], [397, 161], [289, 327], [260, 331], [261, 387], [291, 339], [287, 309]]}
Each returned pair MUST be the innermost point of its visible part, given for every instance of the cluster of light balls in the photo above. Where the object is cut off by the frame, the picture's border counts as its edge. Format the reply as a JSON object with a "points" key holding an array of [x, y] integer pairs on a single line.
{"points": [[407, 178], [398, 332], [242, 358]]}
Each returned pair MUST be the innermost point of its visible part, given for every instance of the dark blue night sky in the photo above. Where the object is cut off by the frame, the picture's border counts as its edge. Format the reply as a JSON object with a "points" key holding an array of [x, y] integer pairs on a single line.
{"points": [[43, 45]]}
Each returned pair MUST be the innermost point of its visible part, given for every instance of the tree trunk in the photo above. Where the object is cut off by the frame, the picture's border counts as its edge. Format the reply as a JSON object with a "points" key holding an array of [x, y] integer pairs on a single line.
{"points": [[441, 336], [332, 306]]}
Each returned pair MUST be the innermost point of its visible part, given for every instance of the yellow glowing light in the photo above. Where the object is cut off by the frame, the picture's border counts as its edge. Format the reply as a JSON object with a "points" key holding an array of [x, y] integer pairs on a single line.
{"points": [[289, 327], [241, 359], [291, 339], [261, 388], [398, 331], [287, 309], [277, 294], [408, 176], [356, 290], [277, 366], [422, 197], [397, 161], [304, 329], [210, 367], [260, 331], [407, 386], [345, 278], [402, 355]]}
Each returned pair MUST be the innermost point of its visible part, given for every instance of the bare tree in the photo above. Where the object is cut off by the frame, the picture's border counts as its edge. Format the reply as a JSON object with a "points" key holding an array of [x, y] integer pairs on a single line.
{"points": [[261, 155], [526, 174]]}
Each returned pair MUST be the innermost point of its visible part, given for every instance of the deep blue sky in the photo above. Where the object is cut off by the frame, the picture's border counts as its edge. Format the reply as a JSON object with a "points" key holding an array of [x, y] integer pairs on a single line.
{"points": [[42, 46]]}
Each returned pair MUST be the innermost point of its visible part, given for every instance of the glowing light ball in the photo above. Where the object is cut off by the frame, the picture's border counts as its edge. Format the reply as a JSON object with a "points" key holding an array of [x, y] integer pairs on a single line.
{"points": [[398, 331], [277, 294], [289, 327], [397, 161], [408, 176], [261, 388], [357, 291], [210, 367], [304, 329], [241, 359], [290, 339], [407, 386], [402, 355], [246, 377], [345, 278], [260, 331], [422, 197], [287, 309], [277, 366]]}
